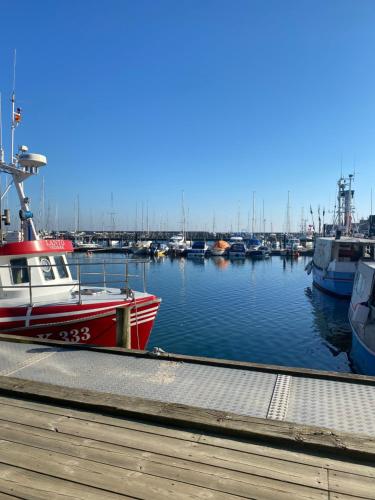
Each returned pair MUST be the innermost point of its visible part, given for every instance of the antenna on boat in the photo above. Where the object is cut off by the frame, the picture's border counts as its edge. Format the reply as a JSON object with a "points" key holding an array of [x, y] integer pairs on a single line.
{"points": [[13, 99], [21, 166]]}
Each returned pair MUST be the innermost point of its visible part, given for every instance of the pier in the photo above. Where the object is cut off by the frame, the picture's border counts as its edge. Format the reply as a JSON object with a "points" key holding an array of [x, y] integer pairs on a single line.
{"points": [[81, 422]]}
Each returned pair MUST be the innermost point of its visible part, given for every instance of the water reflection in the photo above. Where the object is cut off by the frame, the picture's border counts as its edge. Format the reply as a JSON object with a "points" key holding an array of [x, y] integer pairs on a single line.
{"points": [[264, 311], [220, 262], [330, 317]]}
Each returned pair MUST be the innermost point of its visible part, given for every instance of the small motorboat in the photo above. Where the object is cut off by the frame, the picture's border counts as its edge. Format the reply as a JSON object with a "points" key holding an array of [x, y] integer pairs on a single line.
{"points": [[198, 249], [263, 252], [237, 251]]}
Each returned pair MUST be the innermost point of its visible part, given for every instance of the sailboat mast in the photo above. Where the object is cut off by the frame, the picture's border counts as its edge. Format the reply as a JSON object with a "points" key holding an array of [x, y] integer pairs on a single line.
{"points": [[253, 219], [183, 215]]}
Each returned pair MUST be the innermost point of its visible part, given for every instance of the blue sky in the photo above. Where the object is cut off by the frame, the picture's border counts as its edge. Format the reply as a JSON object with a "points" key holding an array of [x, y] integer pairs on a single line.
{"points": [[135, 101]]}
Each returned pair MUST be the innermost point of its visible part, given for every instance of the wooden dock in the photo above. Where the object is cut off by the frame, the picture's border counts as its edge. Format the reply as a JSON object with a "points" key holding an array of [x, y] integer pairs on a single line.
{"points": [[62, 442]]}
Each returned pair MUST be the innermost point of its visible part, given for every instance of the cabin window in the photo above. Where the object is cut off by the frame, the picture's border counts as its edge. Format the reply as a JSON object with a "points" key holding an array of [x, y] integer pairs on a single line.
{"points": [[61, 267], [350, 252], [20, 271], [45, 265]]}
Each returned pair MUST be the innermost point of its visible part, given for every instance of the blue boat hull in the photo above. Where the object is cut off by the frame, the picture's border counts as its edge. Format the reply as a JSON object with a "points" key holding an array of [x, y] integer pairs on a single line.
{"points": [[336, 283], [362, 357]]}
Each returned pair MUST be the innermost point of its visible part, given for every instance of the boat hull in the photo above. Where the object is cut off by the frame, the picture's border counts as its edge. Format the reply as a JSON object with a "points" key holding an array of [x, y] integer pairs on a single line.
{"points": [[218, 252], [93, 324], [362, 357], [333, 282], [196, 254]]}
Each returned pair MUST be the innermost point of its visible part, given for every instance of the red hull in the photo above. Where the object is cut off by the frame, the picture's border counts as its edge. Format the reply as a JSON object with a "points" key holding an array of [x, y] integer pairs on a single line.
{"points": [[93, 323]]}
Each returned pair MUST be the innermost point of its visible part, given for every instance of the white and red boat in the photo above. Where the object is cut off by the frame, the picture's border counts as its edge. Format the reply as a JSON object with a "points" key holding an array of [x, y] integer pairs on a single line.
{"points": [[39, 297]]}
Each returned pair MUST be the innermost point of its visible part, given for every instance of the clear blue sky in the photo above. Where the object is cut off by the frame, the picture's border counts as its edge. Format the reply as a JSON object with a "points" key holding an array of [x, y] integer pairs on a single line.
{"points": [[144, 99]]}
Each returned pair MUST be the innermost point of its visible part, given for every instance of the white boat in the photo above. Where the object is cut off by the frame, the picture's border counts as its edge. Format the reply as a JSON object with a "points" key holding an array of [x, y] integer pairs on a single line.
{"points": [[253, 246], [85, 244], [362, 318], [335, 263], [263, 252], [336, 259], [177, 244], [293, 247], [198, 249], [141, 247], [235, 239]]}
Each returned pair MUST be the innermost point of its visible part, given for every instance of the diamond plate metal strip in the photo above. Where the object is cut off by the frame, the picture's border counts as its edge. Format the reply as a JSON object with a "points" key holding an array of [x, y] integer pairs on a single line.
{"points": [[280, 398]]}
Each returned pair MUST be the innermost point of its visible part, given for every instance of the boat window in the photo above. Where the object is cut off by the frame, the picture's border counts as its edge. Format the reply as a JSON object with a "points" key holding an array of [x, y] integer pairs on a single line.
{"points": [[45, 265], [61, 267], [20, 271], [350, 252]]}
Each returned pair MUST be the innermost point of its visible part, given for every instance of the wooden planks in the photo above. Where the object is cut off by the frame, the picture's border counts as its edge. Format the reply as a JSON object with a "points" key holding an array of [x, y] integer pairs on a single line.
{"points": [[181, 415], [47, 451]]}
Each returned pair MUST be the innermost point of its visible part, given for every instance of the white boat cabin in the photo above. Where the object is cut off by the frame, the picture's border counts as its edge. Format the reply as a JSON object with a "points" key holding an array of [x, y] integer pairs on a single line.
{"points": [[342, 254], [34, 271]]}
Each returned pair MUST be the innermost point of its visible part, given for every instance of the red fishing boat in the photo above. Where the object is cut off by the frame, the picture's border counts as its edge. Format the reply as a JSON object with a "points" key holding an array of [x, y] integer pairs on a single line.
{"points": [[43, 295]]}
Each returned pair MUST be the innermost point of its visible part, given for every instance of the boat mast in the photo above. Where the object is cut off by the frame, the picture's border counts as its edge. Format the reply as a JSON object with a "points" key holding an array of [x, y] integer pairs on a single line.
{"points": [[253, 220], [183, 216], [21, 166], [288, 215], [348, 206], [13, 99]]}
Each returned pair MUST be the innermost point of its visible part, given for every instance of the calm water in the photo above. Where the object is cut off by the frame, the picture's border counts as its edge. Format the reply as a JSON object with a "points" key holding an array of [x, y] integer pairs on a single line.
{"points": [[263, 311]]}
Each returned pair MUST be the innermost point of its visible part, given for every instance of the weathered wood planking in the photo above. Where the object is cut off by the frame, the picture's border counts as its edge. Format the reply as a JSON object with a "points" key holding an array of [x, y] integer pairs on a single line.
{"points": [[274, 431], [53, 452], [184, 435]]}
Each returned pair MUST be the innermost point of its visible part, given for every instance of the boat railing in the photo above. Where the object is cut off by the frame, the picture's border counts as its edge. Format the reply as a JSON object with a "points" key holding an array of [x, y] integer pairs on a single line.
{"points": [[83, 277]]}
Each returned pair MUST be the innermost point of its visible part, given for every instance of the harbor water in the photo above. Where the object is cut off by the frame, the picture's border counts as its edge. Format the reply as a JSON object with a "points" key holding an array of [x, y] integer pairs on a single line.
{"points": [[263, 311]]}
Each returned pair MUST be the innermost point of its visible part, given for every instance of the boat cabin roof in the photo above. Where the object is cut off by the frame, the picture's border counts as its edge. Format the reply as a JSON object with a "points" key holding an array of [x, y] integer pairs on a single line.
{"points": [[368, 263], [348, 239], [36, 247]]}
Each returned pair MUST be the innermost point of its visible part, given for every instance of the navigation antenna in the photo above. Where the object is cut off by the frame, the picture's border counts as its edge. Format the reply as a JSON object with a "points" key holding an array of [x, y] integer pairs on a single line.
{"points": [[13, 99]]}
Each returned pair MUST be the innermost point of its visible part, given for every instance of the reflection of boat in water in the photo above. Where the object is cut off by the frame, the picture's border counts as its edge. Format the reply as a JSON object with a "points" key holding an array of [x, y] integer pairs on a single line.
{"points": [[362, 319], [330, 318], [220, 262], [219, 248]]}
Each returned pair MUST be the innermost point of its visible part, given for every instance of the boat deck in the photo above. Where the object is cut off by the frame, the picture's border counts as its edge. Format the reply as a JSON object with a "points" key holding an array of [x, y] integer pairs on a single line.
{"points": [[108, 423]]}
